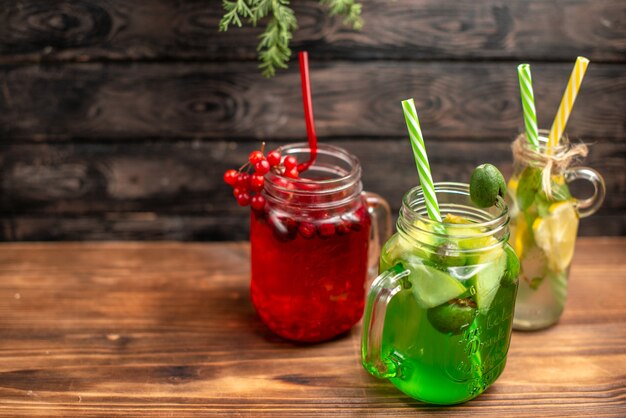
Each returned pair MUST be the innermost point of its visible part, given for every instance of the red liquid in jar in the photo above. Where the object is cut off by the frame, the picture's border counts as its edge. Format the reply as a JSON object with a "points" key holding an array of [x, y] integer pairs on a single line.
{"points": [[308, 278]]}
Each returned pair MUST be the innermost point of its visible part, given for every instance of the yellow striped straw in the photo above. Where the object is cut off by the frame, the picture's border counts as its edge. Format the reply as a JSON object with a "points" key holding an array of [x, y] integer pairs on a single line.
{"points": [[567, 102]]}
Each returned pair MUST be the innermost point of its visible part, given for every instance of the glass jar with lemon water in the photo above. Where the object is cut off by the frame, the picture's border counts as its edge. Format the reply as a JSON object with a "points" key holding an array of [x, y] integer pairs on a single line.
{"points": [[544, 224]]}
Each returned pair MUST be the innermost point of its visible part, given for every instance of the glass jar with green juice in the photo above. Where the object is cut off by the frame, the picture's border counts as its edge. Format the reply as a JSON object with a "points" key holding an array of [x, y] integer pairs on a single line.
{"points": [[438, 319]]}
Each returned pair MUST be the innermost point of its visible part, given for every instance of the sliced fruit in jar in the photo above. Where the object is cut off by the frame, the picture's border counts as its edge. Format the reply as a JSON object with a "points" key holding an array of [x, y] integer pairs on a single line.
{"points": [[452, 317], [528, 187], [432, 287], [512, 270], [477, 243], [556, 234], [522, 235], [534, 266], [399, 249], [560, 189], [448, 255], [471, 234], [535, 282], [426, 233], [487, 278], [451, 218], [512, 186]]}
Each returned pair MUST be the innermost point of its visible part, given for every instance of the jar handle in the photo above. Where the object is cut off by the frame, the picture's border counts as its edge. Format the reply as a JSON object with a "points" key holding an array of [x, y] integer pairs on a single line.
{"points": [[590, 205], [380, 214], [383, 289]]}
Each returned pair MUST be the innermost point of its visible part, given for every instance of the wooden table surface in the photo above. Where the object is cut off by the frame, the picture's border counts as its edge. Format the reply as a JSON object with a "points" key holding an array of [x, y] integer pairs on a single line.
{"points": [[122, 329]]}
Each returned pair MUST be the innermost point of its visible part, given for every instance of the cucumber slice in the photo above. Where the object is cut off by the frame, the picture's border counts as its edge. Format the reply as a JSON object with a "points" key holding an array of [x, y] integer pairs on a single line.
{"points": [[487, 279], [432, 287]]}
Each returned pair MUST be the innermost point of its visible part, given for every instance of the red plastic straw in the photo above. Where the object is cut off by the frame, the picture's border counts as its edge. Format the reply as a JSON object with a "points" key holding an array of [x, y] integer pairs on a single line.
{"points": [[308, 109]]}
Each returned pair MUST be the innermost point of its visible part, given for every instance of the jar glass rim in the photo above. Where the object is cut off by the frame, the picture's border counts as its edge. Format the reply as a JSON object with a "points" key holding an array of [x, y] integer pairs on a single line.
{"points": [[413, 208], [344, 178], [562, 146], [335, 179]]}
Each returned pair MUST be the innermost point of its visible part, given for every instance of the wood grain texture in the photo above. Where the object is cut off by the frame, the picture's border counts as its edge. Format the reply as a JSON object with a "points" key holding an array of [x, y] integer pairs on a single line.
{"points": [[168, 329], [472, 101], [34, 31], [174, 190], [182, 227], [117, 118]]}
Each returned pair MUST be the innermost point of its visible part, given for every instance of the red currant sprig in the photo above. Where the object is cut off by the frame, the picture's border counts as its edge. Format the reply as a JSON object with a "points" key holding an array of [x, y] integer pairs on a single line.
{"points": [[248, 183], [247, 187]]}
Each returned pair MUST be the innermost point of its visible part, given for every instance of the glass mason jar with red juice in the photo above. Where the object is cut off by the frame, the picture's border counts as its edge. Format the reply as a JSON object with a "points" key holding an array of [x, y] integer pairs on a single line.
{"points": [[313, 244]]}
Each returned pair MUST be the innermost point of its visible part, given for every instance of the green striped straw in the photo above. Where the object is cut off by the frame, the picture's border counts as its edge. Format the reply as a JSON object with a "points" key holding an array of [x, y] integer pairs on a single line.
{"points": [[421, 159], [528, 104]]}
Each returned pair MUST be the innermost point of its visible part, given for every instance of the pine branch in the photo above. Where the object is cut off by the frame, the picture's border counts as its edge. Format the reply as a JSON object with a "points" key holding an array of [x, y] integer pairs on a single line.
{"points": [[347, 8], [236, 11], [262, 8], [273, 48]]}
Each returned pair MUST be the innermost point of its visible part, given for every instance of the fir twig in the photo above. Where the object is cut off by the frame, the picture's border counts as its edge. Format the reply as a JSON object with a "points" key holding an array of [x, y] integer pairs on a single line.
{"points": [[350, 9], [235, 12], [273, 48]]}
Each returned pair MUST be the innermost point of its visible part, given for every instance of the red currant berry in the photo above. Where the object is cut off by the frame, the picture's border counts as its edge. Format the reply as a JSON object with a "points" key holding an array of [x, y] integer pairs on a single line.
{"points": [[343, 227], [262, 167], [257, 182], [243, 199], [273, 158], [292, 173], [327, 230], [310, 187], [307, 230], [257, 202], [243, 180], [284, 228], [357, 219], [281, 182], [290, 162], [239, 190], [230, 177], [255, 157], [290, 224]]}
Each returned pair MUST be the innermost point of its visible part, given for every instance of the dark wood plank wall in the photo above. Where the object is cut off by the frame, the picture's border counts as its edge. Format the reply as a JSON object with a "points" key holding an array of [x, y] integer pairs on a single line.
{"points": [[118, 118]]}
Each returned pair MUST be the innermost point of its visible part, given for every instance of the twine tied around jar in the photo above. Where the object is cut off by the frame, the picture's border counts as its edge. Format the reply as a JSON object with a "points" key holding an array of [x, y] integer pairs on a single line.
{"points": [[555, 163]]}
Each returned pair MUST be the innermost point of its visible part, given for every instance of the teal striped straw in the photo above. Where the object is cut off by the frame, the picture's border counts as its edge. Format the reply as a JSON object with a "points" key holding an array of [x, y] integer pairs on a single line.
{"points": [[528, 104], [421, 159]]}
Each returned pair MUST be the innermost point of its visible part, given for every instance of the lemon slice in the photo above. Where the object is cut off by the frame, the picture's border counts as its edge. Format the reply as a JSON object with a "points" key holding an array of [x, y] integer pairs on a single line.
{"points": [[521, 235], [512, 186], [555, 234], [451, 218]]}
